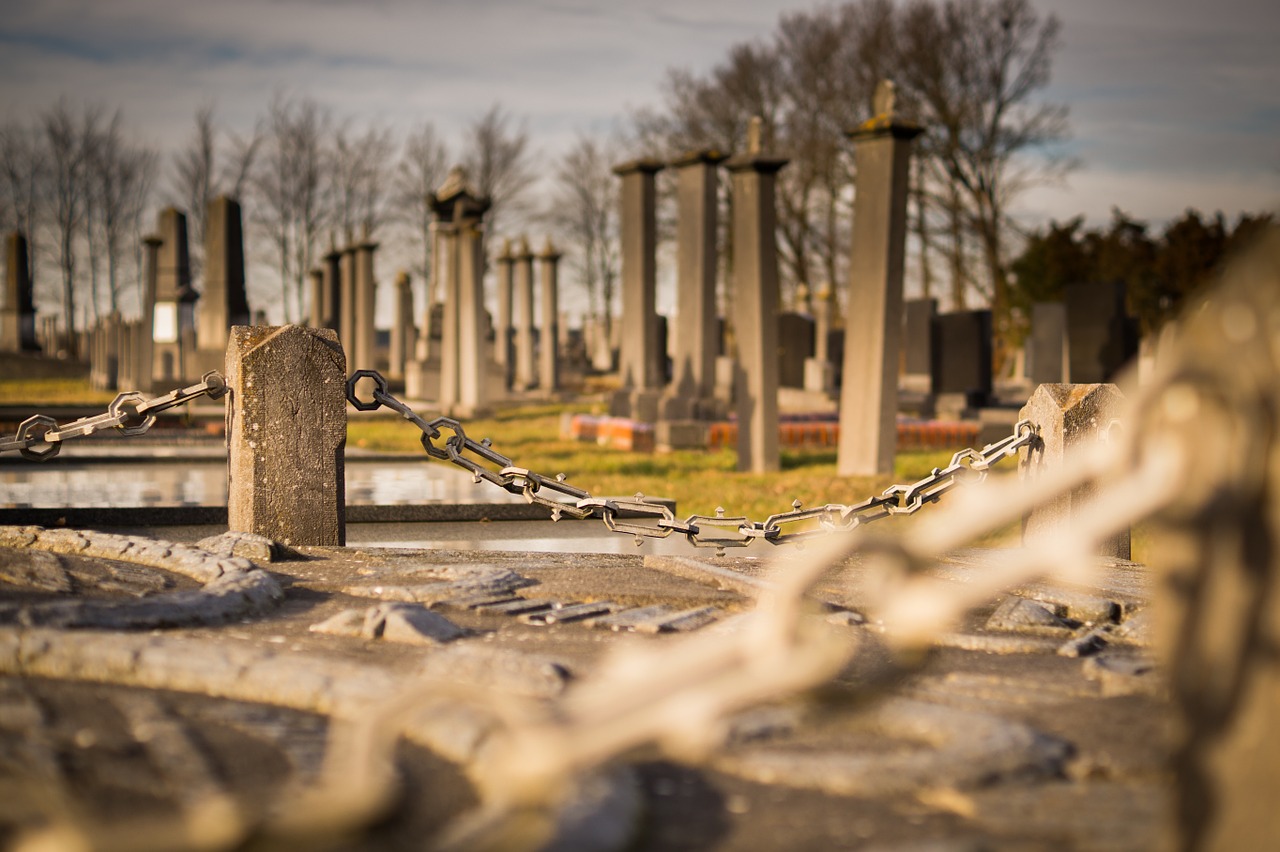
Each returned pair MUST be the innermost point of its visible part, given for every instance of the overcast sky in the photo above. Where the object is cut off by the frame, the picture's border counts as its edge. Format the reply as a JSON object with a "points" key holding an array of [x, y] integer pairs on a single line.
{"points": [[1174, 103]]}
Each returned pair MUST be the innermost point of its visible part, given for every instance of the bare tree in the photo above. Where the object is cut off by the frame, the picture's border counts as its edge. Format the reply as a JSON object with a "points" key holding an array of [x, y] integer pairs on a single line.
{"points": [[197, 177], [499, 161], [973, 67], [421, 170], [358, 174], [24, 191], [585, 212], [119, 182], [292, 206], [65, 138]]}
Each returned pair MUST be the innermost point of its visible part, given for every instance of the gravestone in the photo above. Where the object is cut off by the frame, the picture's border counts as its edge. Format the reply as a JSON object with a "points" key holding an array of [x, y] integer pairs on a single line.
{"points": [[331, 307], [819, 376], [18, 319], [695, 345], [961, 355], [502, 348], [1101, 336], [347, 309], [525, 371], [365, 302], [1047, 344], [640, 356], [917, 342], [403, 330], [796, 336], [755, 303], [286, 433], [873, 325], [548, 354], [173, 307], [223, 302]]}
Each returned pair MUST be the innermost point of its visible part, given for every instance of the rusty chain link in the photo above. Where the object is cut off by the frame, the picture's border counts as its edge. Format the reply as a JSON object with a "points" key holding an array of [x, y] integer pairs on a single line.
{"points": [[642, 518], [40, 437]]}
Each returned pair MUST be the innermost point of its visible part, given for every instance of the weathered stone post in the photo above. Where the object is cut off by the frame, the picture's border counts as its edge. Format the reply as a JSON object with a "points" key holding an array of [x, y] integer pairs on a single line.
{"points": [[1067, 416], [223, 302], [548, 354], [286, 431], [402, 328], [18, 319], [640, 362], [502, 331], [755, 301], [366, 290], [347, 308], [526, 372], [695, 346], [873, 325]]}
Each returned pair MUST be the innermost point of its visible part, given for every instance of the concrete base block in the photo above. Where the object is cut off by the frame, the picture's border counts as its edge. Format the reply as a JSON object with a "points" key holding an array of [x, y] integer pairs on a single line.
{"points": [[681, 434]]}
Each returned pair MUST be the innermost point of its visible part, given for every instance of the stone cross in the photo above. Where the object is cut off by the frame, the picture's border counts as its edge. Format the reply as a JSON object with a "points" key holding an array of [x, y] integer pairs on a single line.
{"points": [[286, 433], [873, 326], [755, 301]]}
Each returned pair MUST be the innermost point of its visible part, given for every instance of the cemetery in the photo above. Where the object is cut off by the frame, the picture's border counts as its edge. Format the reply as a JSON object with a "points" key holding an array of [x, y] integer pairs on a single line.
{"points": [[223, 625]]}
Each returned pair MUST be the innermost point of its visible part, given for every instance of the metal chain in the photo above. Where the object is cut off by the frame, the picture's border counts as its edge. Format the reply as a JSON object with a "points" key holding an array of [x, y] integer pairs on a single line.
{"points": [[40, 437], [656, 520]]}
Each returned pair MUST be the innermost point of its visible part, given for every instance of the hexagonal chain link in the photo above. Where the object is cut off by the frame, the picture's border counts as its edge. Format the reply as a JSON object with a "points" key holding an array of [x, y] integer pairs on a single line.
{"points": [[40, 437], [642, 518]]}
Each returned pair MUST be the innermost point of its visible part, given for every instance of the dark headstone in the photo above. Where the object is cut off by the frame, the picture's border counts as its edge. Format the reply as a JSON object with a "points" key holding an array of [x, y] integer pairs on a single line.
{"points": [[961, 354], [1046, 347], [795, 344], [918, 317], [18, 333], [1101, 336]]}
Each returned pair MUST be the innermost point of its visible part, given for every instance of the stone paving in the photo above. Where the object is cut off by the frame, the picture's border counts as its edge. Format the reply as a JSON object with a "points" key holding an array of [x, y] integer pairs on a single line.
{"points": [[165, 695]]}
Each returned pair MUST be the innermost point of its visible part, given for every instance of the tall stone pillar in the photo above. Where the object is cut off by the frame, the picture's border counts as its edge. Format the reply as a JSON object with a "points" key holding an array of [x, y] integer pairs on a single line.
{"points": [[173, 318], [286, 431], [402, 328], [460, 213], [18, 319], [696, 343], [223, 302], [331, 307], [366, 289], [548, 352], [347, 308], [144, 352], [873, 325], [756, 304], [502, 353], [640, 362], [526, 372]]}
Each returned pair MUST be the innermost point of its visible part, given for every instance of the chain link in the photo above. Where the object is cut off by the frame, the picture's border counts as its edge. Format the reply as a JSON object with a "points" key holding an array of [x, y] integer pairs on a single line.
{"points": [[40, 437], [643, 518]]}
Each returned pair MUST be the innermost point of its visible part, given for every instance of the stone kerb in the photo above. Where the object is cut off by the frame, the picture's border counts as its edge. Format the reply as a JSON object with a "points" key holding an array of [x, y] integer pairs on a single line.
{"points": [[286, 431], [1067, 416]]}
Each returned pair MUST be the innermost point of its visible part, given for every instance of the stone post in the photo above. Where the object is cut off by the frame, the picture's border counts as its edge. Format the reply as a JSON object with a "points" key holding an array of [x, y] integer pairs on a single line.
{"points": [[548, 354], [755, 301], [1067, 416], [696, 345], [366, 300], [18, 319], [223, 302], [286, 431], [873, 325], [402, 328], [526, 372], [473, 384], [640, 362], [347, 308], [502, 332]]}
